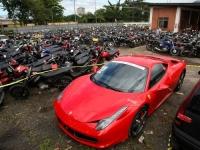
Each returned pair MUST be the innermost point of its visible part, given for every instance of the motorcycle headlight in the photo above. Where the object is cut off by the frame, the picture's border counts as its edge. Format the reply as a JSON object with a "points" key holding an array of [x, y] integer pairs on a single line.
{"points": [[102, 124]]}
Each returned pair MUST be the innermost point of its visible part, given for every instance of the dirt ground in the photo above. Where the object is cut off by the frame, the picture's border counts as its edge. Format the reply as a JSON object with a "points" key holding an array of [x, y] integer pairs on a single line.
{"points": [[31, 125]]}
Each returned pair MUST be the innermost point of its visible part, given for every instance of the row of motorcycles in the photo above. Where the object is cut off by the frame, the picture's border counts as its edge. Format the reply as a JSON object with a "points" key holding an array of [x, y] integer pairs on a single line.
{"points": [[126, 36], [185, 44], [53, 60]]}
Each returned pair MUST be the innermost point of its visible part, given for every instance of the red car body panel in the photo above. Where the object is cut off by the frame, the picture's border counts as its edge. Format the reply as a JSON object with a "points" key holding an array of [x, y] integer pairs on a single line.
{"points": [[83, 103]]}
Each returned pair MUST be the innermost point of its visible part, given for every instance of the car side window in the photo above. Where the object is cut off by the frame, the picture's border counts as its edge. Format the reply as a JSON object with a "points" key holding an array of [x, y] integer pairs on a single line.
{"points": [[157, 73]]}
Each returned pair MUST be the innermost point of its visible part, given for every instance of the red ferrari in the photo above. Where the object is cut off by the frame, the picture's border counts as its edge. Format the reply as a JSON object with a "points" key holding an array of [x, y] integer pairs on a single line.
{"points": [[107, 107]]}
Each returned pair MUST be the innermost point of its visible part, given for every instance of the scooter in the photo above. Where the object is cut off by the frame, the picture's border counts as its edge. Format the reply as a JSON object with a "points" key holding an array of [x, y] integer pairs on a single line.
{"points": [[163, 45]]}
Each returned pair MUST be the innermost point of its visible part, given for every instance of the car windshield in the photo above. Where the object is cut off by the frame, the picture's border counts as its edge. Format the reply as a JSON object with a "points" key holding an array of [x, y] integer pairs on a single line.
{"points": [[121, 76]]}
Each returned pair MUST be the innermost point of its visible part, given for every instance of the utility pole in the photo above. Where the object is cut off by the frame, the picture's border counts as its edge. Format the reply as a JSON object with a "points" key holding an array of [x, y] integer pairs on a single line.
{"points": [[52, 14], [95, 5], [75, 11]]}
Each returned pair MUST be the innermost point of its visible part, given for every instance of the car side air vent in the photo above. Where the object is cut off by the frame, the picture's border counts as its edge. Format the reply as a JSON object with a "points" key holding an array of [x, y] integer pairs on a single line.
{"points": [[174, 62]]}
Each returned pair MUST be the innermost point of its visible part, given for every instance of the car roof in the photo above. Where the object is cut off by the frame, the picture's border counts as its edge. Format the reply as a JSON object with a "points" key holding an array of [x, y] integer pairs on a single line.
{"points": [[142, 60]]}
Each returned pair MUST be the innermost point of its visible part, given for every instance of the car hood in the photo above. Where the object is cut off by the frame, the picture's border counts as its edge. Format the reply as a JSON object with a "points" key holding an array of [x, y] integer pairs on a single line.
{"points": [[87, 102]]}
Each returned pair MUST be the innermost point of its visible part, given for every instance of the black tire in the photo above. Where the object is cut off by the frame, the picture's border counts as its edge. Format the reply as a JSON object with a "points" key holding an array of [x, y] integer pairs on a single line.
{"points": [[180, 81], [63, 82], [19, 92], [110, 44], [148, 47], [2, 97], [184, 54], [139, 122], [175, 52], [174, 145], [131, 45]]}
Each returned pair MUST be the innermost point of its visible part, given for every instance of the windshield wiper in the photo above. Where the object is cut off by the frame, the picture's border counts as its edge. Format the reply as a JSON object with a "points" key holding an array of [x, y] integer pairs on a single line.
{"points": [[108, 86], [112, 88], [104, 84]]}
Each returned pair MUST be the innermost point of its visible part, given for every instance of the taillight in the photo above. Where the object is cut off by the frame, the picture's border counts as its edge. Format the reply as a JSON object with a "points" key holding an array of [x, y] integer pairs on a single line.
{"points": [[184, 118]]}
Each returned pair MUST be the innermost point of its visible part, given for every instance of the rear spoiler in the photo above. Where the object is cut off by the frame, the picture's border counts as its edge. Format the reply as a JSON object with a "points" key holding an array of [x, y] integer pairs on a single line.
{"points": [[161, 58]]}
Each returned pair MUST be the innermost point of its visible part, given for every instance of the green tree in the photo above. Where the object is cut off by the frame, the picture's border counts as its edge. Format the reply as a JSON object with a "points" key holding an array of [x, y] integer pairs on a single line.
{"points": [[71, 17], [54, 9], [113, 12], [39, 11], [87, 18], [135, 10], [100, 14]]}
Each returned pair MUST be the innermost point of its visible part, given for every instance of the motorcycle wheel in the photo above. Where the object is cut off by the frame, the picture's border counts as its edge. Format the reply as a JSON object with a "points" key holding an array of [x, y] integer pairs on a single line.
{"points": [[148, 47], [111, 44], [63, 82], [175, 52], [132, 45], [154, 49], [184, 54], [19, 92], [2, 96]]}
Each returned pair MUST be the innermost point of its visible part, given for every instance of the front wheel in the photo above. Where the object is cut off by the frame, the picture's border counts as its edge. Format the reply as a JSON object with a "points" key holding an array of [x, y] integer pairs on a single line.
{"points": [[180, 81], [139, 122], [175, 52]]}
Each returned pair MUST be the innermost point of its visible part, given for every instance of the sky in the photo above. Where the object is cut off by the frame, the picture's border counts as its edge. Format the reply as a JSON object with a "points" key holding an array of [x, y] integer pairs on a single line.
{"points": [[89, 5]]}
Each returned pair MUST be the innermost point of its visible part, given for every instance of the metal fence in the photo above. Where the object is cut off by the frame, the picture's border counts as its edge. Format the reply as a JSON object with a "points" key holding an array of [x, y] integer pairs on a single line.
{"points": [[70, 26]]}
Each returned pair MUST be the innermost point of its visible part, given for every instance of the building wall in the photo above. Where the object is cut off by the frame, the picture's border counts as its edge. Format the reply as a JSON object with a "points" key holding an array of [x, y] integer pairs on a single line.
{"points": [[169, 12]]}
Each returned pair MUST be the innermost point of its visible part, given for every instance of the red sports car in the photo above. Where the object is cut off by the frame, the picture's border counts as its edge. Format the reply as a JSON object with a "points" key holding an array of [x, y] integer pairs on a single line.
{"points": [[107, 107]]}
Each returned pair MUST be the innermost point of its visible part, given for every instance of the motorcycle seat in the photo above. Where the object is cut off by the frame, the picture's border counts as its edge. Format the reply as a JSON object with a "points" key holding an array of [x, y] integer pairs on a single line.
{"points": [[80, 56], [111, 51], [83, 60], [3, 65], [40, 61], [58, 72], [55, 49], [42, 68]]}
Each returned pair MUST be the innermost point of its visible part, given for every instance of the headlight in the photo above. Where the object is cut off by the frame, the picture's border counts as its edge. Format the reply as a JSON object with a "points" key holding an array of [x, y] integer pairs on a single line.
{"points": [[102, 124]]}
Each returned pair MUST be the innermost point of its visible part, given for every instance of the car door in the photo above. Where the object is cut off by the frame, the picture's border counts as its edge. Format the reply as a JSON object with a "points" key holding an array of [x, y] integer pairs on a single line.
{"points": [[159, 88], [193, 111]]}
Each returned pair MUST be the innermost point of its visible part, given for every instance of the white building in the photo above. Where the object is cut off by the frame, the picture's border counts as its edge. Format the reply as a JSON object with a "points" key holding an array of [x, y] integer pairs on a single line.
{"points": [[80, 11]]}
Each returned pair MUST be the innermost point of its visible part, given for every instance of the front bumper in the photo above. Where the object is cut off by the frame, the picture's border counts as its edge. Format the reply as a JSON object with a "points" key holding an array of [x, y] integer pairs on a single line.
{"points": [[87, 134]]}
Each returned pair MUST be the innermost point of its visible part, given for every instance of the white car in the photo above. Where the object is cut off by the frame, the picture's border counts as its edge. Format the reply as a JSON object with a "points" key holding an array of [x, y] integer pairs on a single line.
{"points": [[3, 38]]}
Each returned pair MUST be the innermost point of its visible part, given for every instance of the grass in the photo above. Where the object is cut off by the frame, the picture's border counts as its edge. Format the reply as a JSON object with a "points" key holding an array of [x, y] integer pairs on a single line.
{"points": [[47, 145]]}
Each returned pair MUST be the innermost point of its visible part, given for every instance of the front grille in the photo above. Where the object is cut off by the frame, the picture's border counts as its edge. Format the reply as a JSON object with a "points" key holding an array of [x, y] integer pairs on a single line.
{"points": [[78, 134]]}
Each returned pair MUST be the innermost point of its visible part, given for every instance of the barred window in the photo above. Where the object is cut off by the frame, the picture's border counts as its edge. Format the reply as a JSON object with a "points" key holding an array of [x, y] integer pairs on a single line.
{"points": [[163, 22]]}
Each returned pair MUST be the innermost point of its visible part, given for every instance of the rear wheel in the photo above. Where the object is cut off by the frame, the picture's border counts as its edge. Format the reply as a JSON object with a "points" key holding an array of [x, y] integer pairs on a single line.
{"points": [[131, 44], [180, 81], [19, 92], [175, 52], [148, 47], [139, 122]]}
